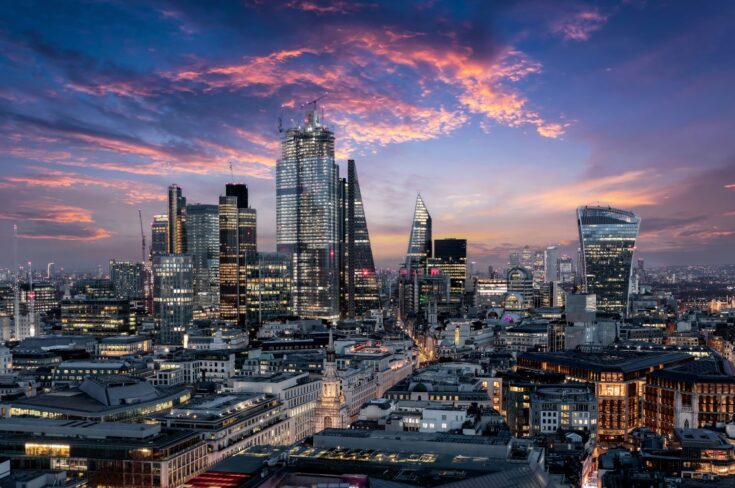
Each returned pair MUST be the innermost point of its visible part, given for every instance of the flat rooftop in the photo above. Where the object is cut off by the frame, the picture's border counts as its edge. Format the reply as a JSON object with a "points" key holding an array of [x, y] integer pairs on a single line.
{"points": [[706, 370], [607, 359]]}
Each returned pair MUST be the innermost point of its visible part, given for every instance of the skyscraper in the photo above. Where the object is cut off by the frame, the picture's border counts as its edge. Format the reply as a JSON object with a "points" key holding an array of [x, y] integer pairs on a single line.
{"points": [[607, 239], [127, 279], [269, 286], [551, 264], [202, 236], [307, 201], [176, 242], [159, 235], [419, 242], [173, 295], [237, 238], [450, 256], [360, 285]]}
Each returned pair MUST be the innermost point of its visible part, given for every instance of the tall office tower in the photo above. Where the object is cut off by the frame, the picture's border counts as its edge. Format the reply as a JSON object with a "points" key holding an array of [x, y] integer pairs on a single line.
{"points": [[127, 279], [237, 238], [450, 256], [514, 259], [176, 242], [607, 238], [527, 256], [159, 235], [419, 242], [551, 264], [202, 237], [520, 287], [566, 269], [173, 296], [360, 285], [269, 286], [307, 216]]}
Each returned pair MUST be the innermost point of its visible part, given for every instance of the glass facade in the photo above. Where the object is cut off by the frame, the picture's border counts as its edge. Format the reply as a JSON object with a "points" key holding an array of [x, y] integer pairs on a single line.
{"points": [[450, 256], [237, 239], [202, 236], [607, 241], [176, 243], [419, 243], [307, 214], [159, 235], [360, 284], [173, 296], [127, 278]]}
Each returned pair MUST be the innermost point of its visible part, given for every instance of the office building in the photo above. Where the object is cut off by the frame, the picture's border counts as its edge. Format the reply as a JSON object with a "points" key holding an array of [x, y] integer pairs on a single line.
{"points": [[176, 238], [159, 235], [202, 237], [693, 395], [560, 408], [237, 240], [230, 423], [359, 282], [619, 378], [173, 296], [520, 288], [551, 264], [450, 256], [107, 454], [607, 239], [127, 279], [307, 216], [103, 399], [419, 241], [100, 317], [121, 346], [269, 287]]}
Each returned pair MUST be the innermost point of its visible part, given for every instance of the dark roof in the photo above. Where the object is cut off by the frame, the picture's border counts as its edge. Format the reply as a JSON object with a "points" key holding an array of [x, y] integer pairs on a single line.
{"points": [[706, 370], [608, 359]]}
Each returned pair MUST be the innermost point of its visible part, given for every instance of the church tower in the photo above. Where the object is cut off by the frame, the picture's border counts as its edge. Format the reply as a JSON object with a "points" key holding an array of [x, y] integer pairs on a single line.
{"points": [[331, 412]]}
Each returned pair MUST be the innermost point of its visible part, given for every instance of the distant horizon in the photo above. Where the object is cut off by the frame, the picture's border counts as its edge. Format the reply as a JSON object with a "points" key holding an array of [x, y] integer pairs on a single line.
{"points": [[506, 116]]}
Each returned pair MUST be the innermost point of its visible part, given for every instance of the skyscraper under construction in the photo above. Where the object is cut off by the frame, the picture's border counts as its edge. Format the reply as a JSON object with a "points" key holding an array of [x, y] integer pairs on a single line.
{"points": [[307, 212]]}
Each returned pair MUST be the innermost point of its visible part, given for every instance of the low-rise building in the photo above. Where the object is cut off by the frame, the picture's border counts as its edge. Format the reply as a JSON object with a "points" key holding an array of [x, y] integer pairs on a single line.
{"points": [[298, 391], [561, 408], [108, 454], [230, 423], [121, 346]]}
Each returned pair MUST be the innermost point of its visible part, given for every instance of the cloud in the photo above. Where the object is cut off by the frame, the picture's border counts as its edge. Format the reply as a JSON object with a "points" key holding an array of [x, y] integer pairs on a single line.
{"points": [[50, 220], [580, 25]]}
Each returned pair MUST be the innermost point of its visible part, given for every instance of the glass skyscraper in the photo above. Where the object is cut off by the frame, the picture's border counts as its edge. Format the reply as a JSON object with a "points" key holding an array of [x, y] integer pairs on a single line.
{"points": [[450, 256], [307, 214], [419, 242], [237, 239], [127, 279], [159, 235], [359, 282], [176, 243], [607, 241], [173, 296], [202, 236]]}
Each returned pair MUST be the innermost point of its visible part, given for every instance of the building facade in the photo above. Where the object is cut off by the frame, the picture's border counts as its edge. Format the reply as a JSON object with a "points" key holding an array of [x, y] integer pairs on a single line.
{"points": [[173, 296], [237, 240], [202, 236], [607, 240]]}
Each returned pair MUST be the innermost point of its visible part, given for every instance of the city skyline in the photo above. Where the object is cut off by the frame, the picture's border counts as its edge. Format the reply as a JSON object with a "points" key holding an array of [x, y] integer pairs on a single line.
{"points": [[505, 118]]}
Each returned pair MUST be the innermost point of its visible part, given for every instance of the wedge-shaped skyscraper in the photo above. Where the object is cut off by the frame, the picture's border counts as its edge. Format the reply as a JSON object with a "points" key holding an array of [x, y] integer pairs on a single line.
{"points": [[360, 284], [607, 241], [419, 242]]}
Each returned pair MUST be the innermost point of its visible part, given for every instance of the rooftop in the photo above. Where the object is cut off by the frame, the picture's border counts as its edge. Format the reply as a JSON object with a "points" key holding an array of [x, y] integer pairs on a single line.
{"points": [[706, 370], [607, 359]]}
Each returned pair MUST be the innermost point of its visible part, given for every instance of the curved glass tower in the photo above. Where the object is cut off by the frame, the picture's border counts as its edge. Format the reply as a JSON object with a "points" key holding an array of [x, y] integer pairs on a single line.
{"points": [[607, 240], [307, 181], [419, 243]]}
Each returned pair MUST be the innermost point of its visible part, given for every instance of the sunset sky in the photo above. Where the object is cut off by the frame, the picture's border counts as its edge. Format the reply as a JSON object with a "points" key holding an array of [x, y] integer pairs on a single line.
{"points": [[504, 115]]}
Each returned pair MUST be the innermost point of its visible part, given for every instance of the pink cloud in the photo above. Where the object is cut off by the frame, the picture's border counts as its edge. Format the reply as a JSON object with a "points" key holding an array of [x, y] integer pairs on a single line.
{"points": [[580, 25]]}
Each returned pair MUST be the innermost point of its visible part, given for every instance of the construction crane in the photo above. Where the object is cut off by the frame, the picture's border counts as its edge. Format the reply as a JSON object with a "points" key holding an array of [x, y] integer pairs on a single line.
{"points": [[232, 174], [142, 237], [313, 102]]}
